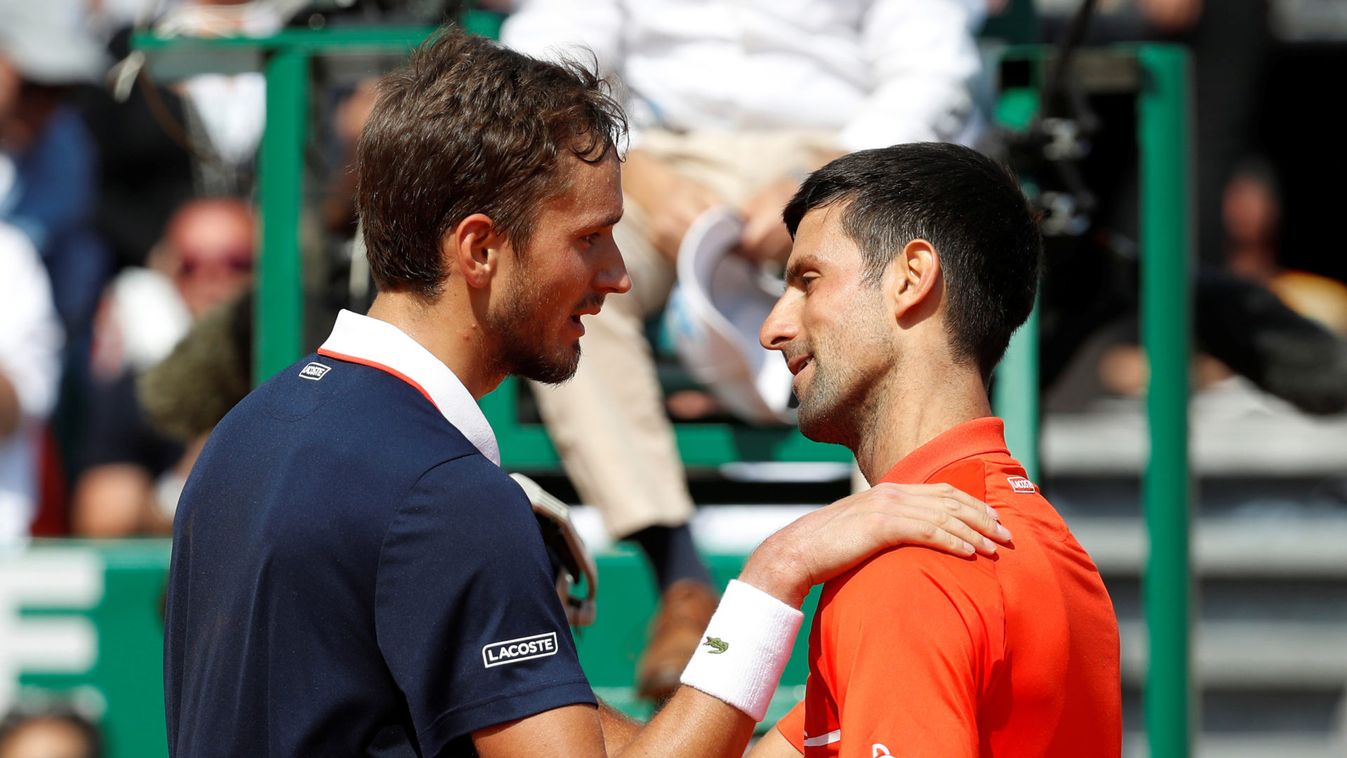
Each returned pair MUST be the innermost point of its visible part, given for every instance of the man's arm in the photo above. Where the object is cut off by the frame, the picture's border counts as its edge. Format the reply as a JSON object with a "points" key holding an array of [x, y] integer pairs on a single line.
{"points": [[670, 200], [774, 745], [692, 723], [618, 729], [811, 550]]}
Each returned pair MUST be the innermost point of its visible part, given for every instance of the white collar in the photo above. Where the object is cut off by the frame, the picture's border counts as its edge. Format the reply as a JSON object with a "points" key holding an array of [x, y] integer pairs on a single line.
{"points": [[379, 344]]}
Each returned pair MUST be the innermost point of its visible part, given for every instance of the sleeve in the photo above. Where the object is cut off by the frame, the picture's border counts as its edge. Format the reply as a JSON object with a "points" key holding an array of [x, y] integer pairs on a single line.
{"points": [[30, 335], [912, 638], [924, 58], [791, 726], [466, 610], [551, 28]]}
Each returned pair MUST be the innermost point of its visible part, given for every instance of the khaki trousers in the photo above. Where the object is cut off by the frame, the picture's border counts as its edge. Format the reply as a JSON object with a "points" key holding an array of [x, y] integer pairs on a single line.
{"points": [[608, 423]]}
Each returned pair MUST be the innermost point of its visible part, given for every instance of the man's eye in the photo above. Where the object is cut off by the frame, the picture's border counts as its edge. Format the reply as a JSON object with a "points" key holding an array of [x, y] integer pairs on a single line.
{"points": [[807, 281]]}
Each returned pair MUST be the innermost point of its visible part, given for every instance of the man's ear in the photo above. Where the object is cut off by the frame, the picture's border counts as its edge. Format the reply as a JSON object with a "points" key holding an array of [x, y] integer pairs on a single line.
{"points": [[473, 248], [914, 281]]}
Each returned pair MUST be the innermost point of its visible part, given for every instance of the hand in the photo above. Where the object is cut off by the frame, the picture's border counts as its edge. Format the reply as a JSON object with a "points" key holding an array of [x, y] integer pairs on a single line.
{"points": [[670, 200], [765, 237], [823, 544]]}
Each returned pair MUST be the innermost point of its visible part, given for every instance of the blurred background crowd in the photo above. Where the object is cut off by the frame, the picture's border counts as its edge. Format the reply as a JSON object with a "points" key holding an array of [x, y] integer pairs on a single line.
{"points": [[129, 248]]}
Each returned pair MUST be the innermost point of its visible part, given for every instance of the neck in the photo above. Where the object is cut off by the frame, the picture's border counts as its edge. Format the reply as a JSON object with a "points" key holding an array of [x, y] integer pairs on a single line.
{"points": [[949, 394], [451, 333]]}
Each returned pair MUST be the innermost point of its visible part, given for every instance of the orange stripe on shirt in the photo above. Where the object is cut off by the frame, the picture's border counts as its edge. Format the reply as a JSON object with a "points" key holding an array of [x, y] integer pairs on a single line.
{"points": [[381, 367]]}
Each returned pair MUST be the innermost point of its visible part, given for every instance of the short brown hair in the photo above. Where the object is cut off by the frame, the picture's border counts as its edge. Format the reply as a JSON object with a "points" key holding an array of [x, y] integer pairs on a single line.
{"points": [[470, 127]]}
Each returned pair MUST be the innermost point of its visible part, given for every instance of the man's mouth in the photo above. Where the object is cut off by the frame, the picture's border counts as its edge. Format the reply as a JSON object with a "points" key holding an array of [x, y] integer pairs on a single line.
{"points": [[587, 309], [798, 363]]}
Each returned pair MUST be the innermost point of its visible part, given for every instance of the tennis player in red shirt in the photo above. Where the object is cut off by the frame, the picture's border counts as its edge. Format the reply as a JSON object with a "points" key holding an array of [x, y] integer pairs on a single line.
{"points": [[912, 266]]}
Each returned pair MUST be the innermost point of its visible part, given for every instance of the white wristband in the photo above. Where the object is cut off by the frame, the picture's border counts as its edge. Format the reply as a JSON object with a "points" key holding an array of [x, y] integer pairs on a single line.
{"points": [[745, 648]]}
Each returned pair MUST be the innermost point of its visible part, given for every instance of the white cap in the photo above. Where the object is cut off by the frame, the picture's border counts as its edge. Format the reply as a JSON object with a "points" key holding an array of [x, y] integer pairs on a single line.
{"points": [[714, 315], [49, 43]]}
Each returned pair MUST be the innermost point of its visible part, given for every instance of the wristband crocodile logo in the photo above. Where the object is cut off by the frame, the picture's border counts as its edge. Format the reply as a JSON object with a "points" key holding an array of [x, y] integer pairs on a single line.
{"points": [[717, 645]]}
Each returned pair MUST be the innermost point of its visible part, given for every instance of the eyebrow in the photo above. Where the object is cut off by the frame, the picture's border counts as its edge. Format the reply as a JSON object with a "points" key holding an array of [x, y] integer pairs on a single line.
{"points": [[604, 221], [795, 269]]}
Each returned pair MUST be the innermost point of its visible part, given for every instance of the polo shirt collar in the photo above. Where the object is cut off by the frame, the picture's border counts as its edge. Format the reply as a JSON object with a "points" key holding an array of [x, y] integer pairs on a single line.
{"points": [[971, 438], [379, 344]]}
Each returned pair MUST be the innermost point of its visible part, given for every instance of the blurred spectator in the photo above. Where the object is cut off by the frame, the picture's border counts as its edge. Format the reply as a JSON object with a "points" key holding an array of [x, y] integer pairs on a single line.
{"points": [[47, 166], [731, 103], [30, 345], [133, 473], [1251, 209], [55, 733]]}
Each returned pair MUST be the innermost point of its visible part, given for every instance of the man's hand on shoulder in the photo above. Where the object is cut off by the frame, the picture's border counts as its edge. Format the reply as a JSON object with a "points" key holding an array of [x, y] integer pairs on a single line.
{"points": [[833, 539]]}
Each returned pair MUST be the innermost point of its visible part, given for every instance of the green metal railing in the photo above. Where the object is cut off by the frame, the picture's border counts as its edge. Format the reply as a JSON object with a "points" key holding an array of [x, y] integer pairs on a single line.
{"points": [[1163, 130], [1166, 323]]}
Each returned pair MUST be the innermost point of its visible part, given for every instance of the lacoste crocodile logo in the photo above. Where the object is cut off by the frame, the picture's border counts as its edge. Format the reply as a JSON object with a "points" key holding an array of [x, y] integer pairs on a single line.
{"points": [[717, 645]]}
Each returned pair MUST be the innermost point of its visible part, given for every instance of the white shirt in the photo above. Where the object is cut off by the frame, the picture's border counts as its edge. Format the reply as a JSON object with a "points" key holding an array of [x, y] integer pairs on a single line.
{"points": [[379, 344], [879, 72], [30, 359]]}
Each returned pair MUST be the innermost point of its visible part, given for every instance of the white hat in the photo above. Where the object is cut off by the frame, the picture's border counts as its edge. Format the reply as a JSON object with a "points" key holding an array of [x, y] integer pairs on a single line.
{"points": [[49, 43], [714, 315]]}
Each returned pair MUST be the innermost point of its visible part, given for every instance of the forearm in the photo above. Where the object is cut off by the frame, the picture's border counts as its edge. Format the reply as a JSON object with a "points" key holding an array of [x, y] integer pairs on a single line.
{"points": [[692, 723], [618, 730], [731, 678]]}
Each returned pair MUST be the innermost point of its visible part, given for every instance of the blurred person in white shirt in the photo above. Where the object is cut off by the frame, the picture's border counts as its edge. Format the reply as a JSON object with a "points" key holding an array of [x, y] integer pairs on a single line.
{"points": [[30, 348]]}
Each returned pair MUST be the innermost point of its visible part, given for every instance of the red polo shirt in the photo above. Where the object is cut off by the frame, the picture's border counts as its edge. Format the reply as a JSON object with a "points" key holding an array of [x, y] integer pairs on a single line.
{"points": [[921, 653]]}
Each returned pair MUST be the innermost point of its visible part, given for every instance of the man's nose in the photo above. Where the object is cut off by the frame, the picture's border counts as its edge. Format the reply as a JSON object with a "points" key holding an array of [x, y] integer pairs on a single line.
{"points": [[781, 325], [613, 277]]}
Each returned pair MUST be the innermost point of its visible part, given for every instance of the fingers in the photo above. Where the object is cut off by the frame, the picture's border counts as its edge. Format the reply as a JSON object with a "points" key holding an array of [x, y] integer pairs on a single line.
{"points": [[960, 530], [927, 533], [973, 512]]}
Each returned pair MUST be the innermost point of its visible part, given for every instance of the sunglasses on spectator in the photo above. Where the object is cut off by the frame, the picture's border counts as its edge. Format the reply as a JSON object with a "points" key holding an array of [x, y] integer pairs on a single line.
{"points": [[235, 261]]}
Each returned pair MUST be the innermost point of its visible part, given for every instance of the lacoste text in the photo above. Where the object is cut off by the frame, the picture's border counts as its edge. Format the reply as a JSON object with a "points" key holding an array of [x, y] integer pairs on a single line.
{"points": [[521, 649]]}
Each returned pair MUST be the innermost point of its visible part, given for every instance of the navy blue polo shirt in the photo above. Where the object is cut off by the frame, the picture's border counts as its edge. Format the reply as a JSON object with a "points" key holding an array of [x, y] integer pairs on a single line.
{"points": [[352, 572]]}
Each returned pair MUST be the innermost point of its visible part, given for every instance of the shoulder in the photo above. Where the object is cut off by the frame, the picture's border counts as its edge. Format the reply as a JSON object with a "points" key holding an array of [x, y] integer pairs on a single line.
{"points": [[469, 507], [919, 591], [908, 569], [473, 487]]}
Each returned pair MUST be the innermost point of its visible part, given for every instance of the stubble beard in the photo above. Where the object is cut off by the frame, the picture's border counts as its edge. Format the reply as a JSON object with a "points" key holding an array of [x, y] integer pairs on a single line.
{"points": [[839, 400], [826, 411], [526, 349]]}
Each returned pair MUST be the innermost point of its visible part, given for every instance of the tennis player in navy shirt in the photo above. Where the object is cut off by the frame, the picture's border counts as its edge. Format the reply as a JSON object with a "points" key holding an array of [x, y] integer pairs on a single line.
{"points": [[353, 574]]}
